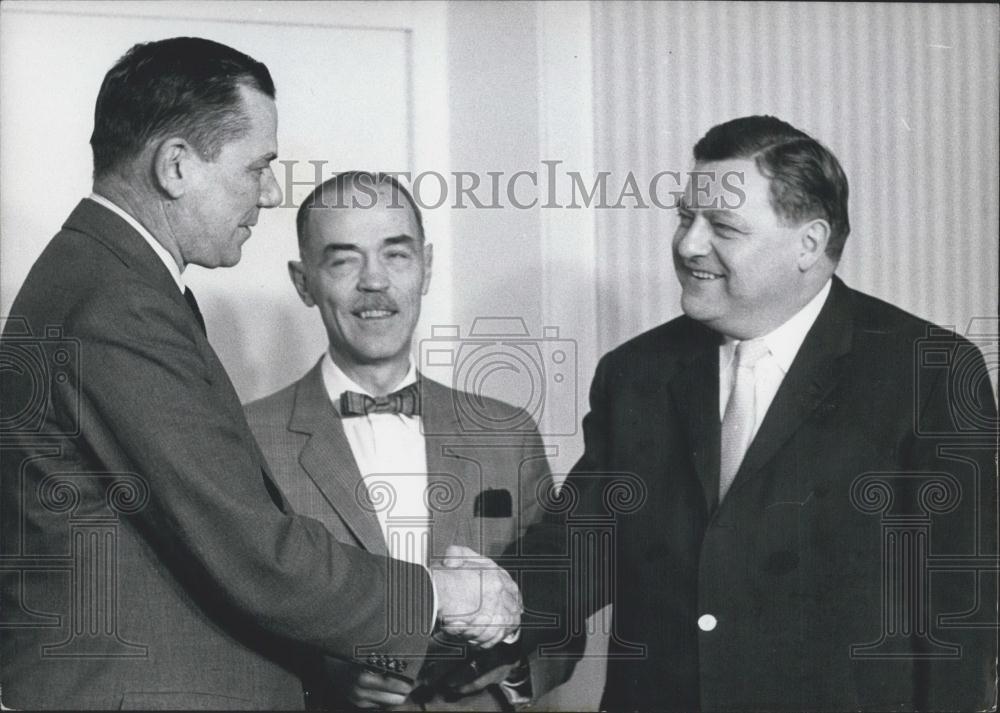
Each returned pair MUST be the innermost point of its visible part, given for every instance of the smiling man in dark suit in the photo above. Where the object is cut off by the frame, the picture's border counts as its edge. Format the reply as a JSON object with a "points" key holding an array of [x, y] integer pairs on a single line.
{"points": [[382, 456], [818, 531], [148, 558]]}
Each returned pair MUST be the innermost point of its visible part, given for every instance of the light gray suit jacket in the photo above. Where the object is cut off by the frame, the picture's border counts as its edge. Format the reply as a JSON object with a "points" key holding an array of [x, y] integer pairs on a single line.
{"points": [[469, 470], [149, 560]]}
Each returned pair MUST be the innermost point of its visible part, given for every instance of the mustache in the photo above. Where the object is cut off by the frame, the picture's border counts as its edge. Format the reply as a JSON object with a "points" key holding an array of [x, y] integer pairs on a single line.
{"points": [[375, 302]]}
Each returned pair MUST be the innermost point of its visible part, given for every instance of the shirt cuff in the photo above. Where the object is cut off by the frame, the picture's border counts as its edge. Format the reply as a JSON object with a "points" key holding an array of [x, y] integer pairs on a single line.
{"points": [[517, 687], [434, 598]]}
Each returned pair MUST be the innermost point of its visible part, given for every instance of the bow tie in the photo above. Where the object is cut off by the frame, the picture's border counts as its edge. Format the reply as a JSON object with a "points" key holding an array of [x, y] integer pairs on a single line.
{"points": [[406, 401]]}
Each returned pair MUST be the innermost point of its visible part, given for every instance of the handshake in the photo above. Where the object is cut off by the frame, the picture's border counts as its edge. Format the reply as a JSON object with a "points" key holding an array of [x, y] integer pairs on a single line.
{"points": [[478, 602]]}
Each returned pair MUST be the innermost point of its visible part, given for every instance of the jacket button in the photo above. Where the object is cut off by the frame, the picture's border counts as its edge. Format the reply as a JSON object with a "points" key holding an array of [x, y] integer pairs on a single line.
{"points": [[707, 622]]}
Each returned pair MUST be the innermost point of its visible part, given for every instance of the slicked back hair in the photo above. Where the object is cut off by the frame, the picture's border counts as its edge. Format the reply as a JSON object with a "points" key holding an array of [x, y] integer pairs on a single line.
{"points": [[183, 86], [806, 180], [330, 194]]}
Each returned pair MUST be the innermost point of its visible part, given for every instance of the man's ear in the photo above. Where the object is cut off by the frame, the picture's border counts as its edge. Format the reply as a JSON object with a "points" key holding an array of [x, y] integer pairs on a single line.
{"points": [[428, 267], [813, 238], [297, 271], [172, 164]]}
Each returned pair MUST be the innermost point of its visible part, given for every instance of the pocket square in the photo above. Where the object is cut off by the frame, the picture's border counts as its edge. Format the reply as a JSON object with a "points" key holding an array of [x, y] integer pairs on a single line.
{"points": [[493, 503]]}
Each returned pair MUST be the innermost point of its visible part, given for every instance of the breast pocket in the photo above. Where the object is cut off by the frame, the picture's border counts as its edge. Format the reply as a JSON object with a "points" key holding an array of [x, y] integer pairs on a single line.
{"points": [[492, 524]]}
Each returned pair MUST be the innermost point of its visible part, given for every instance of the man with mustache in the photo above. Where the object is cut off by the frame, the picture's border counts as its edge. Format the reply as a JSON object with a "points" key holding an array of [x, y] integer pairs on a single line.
{"points": [[149, 559], [380, 454], [807, 453]]}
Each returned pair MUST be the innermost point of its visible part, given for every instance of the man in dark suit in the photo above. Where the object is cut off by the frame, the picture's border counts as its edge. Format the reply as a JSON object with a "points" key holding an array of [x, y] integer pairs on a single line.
{"points": [[148, 558], [382, 455], [815, 523]]}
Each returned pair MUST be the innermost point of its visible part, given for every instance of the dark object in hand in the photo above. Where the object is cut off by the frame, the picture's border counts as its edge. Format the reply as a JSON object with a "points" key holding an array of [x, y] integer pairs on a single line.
{"points": [[480, 663]]}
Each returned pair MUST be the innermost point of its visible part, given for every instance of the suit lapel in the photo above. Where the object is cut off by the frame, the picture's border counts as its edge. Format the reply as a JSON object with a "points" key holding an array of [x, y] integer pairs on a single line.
{"points": [[695, 390], [449, 476], [120, 238], [809, 381], [327, 459]]}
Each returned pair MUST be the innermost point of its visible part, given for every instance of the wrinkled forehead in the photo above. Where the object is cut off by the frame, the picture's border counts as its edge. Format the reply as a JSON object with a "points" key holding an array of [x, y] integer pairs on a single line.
{"points": [[363, 215]]}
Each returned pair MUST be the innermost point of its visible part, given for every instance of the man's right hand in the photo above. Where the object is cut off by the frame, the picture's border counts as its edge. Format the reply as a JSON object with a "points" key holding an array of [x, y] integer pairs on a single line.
{"points": [[375, 690], [478, 602]]}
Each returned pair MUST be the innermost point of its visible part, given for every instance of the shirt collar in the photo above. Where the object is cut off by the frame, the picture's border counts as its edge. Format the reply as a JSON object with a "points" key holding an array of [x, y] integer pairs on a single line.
{"points": [[337, 382], [161, 252], [784, 342]]}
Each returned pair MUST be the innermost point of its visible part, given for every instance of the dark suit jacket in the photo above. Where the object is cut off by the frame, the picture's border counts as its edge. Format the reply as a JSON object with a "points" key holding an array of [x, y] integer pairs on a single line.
{"points": [[877, 450], [149, 558], [302, 436]]}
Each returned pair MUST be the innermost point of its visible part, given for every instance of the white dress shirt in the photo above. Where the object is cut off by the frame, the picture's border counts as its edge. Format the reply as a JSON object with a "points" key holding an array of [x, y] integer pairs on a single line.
{"points": [[161, 252], [783, 343], [391, 455]]}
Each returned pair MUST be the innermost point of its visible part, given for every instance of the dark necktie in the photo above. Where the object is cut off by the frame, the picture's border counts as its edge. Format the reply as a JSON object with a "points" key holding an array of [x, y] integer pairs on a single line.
{"points": [[193, 304], [406, 401]]}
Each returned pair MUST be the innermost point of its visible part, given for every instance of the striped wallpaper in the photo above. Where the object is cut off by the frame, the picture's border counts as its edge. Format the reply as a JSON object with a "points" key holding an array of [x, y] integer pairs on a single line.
{"points": [[905, 95]]}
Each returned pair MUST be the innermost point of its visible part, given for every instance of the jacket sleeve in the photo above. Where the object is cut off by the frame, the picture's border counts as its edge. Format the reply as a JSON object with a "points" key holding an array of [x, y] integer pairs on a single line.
{"points": [[547, 669], [147, 399], [560, 595]]}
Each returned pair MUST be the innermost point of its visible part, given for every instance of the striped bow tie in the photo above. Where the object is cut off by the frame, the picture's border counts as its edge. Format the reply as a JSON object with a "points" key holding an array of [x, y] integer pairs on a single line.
{"points": [[406, 401]]}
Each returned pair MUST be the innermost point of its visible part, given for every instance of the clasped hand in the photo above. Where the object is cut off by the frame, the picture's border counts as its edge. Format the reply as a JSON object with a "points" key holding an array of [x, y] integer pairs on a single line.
{"points": [[478, 602]]}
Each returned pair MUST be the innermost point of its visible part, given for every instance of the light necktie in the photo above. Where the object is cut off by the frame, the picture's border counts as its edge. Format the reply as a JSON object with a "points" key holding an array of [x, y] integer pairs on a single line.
{"points": [[738, 422], [406, 401]]}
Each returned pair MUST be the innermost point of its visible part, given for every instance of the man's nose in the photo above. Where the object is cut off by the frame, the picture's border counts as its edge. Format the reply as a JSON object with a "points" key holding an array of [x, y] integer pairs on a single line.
{"points": [[270, 191], [373, 275], [695, 240]]}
